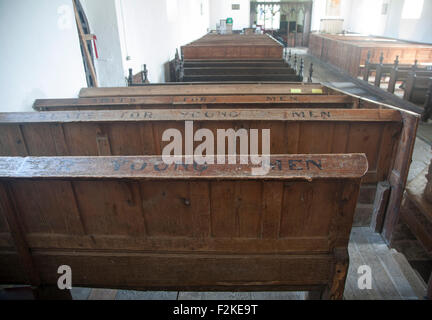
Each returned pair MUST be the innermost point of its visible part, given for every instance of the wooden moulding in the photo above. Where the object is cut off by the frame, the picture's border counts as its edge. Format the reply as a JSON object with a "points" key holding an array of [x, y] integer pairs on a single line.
{"points": [[196, 88], [283, 167], [366, 115], [150, 102]]}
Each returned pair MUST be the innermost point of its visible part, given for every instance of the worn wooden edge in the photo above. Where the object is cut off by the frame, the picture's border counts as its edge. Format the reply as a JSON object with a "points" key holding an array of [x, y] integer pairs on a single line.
{"points": [[197, 88], [153, 101], [263, 114], [380, 41], [280, 167], [378, 104], [398, 174]]}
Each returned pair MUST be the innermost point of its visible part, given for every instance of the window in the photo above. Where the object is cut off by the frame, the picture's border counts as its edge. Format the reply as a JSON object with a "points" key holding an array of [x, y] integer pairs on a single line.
{"points": [[412, 9], [268, 15]]}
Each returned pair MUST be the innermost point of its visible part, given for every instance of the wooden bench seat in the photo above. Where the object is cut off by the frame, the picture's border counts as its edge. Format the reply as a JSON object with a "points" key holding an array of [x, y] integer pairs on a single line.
{"points": [[242, 77], [214, 227], [276, 63], [217, 71]]}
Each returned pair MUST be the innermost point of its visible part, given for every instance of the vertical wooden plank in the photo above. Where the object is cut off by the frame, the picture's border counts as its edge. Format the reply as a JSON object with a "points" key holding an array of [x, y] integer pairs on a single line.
{"points": [[249, 208], [168, 208], [341, 224], [291, 137], [363, 139], [223, 215], [323, 209], [399, 173], [58, 136], [12, 142], [47, 207], [81, 138], [380, 205], [39, 139], [272, 208], [315, 137], [125, 139], [110, 207], [390, 133], [103, 144], [337, 285], [297, 199], [9, 210], [200, 206], [341, 133]]}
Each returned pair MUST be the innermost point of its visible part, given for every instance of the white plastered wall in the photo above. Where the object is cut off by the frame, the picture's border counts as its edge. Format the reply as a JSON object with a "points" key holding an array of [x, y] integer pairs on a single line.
{"points": [[40, 55], [150, 31], [222, 9], [102, 18]]}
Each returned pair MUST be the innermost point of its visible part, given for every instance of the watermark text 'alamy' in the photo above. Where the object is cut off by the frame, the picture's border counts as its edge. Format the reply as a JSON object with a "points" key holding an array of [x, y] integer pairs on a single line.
{"points": [[204, 153]]}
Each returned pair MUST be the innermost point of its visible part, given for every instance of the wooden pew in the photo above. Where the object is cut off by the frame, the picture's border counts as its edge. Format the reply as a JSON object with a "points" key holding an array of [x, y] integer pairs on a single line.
{"points": [[135, 223], [194, 71], [192, 95], [349, 52], [243, 77], [416, 86], [384, 135], [381, 69], [231, 47], [401, 74], [238, 71], [139, 132], [275, 63]]}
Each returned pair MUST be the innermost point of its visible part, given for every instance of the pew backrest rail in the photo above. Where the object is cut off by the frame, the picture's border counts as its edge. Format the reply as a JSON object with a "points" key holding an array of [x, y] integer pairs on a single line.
{"points": [[140, 132], [212, 88], [315, 100]]}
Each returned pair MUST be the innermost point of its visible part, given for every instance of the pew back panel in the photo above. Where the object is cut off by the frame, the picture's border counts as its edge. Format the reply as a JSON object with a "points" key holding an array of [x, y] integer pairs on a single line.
{"points": [[212, 227], [244, 47], [130, 132]]}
